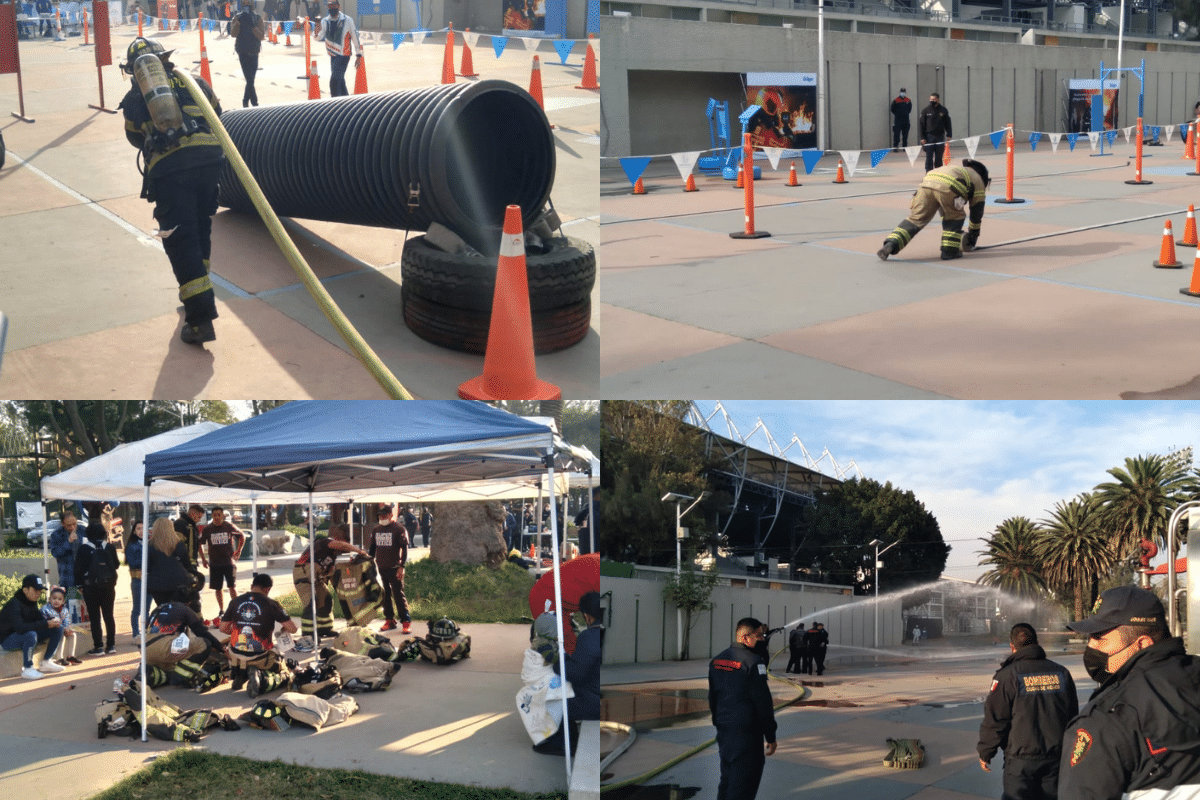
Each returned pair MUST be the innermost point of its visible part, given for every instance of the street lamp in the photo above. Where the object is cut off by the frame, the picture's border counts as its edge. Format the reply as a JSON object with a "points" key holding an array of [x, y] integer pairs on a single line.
{"points": [[875, 543], [679, 499]]}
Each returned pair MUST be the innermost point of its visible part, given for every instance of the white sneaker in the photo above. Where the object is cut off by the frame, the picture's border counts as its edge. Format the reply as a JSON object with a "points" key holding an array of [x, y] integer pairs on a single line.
{"points": [[31, 674], [50, 666]]}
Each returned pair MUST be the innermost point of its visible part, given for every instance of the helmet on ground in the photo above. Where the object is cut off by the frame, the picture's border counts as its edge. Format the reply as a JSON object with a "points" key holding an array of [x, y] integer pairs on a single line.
{"points": [[444, 628], [979, 168]]}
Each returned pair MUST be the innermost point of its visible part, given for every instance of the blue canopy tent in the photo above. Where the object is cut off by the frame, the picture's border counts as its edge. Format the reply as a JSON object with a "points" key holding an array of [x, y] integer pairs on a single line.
{"points": [[361, 448]]}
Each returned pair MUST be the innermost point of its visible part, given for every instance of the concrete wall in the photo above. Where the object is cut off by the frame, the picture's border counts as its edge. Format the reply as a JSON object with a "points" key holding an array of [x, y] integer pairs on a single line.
{"points": [[643, 626], [657, 74]]}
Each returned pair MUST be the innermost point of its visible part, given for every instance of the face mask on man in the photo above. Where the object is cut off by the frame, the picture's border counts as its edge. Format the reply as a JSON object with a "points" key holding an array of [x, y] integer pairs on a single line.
{"points": [[902, 94], [1096, 662]]}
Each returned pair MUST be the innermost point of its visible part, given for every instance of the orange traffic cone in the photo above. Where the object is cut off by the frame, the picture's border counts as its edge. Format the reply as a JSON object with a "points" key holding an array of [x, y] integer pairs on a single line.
{"points": [[740, 183], [792, 180], [589, 69], [140, 18], [1193, 288], [1189, 141], [841, 175], [314, 83], [288, 41], [204, 70], [509, 372], [1189, 229], [1166, 255], [448, 60], [360, 76], [85, 28], [946, 154], [468, 64], [690, 184], [638, 188], [535, 84]]}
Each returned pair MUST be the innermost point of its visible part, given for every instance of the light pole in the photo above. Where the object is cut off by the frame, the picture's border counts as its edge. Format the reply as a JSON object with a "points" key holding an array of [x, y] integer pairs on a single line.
{"points": [[875, 543], [679, 500]]}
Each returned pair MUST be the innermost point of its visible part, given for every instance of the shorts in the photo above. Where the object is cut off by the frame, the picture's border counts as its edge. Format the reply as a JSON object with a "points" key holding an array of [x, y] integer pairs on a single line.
{"points": [[216, 574]]}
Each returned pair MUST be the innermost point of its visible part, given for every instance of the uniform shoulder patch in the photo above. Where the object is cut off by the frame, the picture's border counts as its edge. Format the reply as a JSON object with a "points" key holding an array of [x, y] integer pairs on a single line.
{"points": [[1083, 743], [726, 665], [995, 683], [762, 669]]}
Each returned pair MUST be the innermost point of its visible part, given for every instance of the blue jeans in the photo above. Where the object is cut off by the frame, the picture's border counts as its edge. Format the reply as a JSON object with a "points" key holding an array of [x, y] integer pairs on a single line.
{"points": [[28, 641], [337, 76], [136, 585]]}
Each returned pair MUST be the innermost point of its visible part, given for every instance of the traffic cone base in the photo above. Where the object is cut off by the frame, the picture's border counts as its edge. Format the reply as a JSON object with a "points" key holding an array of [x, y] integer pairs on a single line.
{"points": [[638, 188], [792, 180], [1189, 228], [690, 184], [841, 175], [1166, 255]]}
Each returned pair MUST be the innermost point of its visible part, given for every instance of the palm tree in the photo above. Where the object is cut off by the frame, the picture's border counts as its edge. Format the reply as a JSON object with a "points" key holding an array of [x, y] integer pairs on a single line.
{"points": [[1138, 504], [1073, 548], [1011, 554]]}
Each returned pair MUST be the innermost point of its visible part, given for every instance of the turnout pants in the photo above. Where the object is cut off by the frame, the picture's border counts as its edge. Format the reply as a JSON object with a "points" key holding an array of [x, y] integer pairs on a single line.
{"points": [[1030, 779], [300, 577], [186, 669], [275, 673], [928, 201], [741, 770], [185, 201]]}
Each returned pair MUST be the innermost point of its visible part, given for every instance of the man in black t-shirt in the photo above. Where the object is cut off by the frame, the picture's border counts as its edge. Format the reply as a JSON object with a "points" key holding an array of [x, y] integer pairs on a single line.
{"points": [[250, 621], [178, 643], [389, 547], [224, 541]]}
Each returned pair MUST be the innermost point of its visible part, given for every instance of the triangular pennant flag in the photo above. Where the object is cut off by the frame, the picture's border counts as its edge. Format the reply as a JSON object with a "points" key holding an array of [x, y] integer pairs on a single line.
{"points": [[472, 38], [563, 46], [397, 40], [498, 43], [183, 24], [418, 36], [811, 157], [1055, 138], [529, 43], [850, 157], [684, 162], [1154, 131], [1094, 138], [634, 167], [1034, 138], [877, 156], [1127, 131], [1112, 137], [996, 138], [1167, 131], [773, 154], [1072, 138], [287, 28], [912, 151], [972, 143]]}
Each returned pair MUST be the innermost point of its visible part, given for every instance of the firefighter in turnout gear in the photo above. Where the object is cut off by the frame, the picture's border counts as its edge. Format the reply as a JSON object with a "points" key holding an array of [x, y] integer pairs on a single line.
{"points": [[250, 622], [325, 553], [954, 191], [182, 165], [178, 643]]}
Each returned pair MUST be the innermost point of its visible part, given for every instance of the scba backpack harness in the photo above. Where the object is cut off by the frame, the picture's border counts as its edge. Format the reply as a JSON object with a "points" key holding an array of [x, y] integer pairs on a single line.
{"points": [[445, 643], [164, 719]]}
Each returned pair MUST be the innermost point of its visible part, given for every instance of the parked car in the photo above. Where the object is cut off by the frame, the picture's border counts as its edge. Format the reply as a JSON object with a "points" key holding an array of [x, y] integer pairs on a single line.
{"points": [[34, 536]]}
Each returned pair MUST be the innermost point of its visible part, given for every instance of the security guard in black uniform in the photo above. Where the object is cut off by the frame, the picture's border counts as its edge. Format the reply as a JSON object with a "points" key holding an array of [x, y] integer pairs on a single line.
{"points": [[742, 713], [1031, 701], [183, 161], [1139, 734]]}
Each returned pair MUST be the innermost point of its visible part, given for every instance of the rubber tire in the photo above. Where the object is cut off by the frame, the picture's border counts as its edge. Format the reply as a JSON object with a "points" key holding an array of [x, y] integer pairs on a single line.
{"points": [[467, 331], [562, 277]]}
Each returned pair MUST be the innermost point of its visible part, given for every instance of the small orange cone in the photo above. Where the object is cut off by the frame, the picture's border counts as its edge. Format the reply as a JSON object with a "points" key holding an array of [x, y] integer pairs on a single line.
{"points": [[690, 184], [638, 188], [1189, 229], [841, 175], [448, 60], [1193, 288], [1166, 254], [288, 42], [740, 183], [589, 69], [509, 372], [314, 83], [360, 76], [792, 180], [946, 154], [1189, 141], [468, 64], [535, 84]]}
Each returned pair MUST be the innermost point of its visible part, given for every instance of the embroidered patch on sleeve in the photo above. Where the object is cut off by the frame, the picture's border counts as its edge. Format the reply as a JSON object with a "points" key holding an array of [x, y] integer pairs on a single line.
{"points": [[1083, 743], [995, 683]]}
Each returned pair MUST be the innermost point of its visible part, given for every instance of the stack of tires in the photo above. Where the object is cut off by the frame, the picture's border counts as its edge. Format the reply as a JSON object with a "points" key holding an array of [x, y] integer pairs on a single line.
{"points": [[447, 298]]}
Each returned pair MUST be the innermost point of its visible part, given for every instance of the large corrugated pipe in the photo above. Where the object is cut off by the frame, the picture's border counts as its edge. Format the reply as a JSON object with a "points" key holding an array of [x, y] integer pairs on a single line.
{"points": [[456, 154]]}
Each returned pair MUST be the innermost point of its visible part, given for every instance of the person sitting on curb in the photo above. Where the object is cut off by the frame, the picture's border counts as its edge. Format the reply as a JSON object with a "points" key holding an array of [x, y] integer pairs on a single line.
{"points": [[22, 626]]}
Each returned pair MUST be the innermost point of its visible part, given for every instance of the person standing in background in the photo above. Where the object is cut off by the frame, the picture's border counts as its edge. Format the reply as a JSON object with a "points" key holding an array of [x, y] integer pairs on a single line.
{"points": [[901, 109]]}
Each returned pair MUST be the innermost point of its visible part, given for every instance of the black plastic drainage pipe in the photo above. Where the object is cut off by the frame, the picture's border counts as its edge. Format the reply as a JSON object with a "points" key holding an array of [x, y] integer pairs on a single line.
{"points": [[454, 154]]}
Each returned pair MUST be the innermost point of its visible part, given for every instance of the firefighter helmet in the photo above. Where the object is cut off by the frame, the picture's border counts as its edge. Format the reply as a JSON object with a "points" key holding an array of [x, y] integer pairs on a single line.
{"points": [[141, 46], [979, 168], [444, 629]]}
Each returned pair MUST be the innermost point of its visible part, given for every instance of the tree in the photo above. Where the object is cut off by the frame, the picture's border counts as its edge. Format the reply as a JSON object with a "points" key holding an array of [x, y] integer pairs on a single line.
{"points": [[1137, 505], [691, 590], [1011, 553], [1073, 550], [836, 531]]}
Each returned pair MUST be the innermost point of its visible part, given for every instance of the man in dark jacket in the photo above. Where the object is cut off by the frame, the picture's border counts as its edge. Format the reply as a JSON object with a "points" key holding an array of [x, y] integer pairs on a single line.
{"points": [[583, 672], [1030, 703], [1138, 734], [812, 639], [188, 526], [795, 647], [935, 128], [822, 646], [22, 626], [742, 712], [248, 31], [901, 109]]}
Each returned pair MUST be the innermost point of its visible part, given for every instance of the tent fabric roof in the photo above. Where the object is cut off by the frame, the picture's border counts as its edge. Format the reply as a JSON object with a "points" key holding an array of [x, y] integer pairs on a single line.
{"points": [[363, 447]]}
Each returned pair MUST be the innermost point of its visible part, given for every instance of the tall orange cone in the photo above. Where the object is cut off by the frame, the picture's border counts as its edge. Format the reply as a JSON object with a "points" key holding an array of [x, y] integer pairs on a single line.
{"points": [[535, 83], [1166, 254], [85, 27], [589, 68], [448, 59], [1189, 229], [792, 180], [1189, 141], [360, 76], [690, 184], [1193, 288], [314, 83], [946, 154], [841, 175], [468, 64], [140, 18], [509, 371], [638, 188], [740, 183]]}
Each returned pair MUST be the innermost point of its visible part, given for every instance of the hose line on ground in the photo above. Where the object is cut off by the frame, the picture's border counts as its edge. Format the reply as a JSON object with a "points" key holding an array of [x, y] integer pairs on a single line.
{"points": [[358, 346]]}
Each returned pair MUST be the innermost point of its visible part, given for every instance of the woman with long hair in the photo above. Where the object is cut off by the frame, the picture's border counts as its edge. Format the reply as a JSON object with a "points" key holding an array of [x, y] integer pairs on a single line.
{"points": [[169, 577]]}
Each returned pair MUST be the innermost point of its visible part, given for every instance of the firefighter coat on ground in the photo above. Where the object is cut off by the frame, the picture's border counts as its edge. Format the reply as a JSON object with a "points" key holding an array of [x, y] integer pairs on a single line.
{"points": [[951, 190], [1030, 703], [1139, 734], [743, 714]]}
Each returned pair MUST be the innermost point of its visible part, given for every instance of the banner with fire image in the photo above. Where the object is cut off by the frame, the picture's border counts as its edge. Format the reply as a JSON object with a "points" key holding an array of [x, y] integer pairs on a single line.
{"points": [[1080, 92], [787, 115], [524, 15]]}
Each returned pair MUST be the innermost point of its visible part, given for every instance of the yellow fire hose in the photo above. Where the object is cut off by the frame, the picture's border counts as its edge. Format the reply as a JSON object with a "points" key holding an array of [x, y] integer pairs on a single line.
{"points": [[358, 346]]}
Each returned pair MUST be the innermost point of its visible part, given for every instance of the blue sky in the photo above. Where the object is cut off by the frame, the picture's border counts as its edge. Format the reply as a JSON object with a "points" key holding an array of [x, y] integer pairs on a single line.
{"points": [[973, 464]]}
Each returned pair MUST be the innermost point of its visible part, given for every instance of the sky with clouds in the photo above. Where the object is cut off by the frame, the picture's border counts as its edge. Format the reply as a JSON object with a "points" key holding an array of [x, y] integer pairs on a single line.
{"points": [[973, 464]]}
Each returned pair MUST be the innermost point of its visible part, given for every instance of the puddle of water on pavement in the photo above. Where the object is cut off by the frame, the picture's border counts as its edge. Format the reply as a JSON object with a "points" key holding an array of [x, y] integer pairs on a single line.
{"points": [[667, 792]]}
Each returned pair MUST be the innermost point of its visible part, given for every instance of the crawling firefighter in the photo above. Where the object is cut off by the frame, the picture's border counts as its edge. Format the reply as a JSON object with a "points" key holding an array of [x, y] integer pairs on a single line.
{"points": [[183, 160], [180, 649], [951, 190]]}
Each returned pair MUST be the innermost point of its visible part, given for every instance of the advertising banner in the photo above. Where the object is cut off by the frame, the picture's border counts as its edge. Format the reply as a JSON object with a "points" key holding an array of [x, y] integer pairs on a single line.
{"points": [[787, 115], [1080, 92]]}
